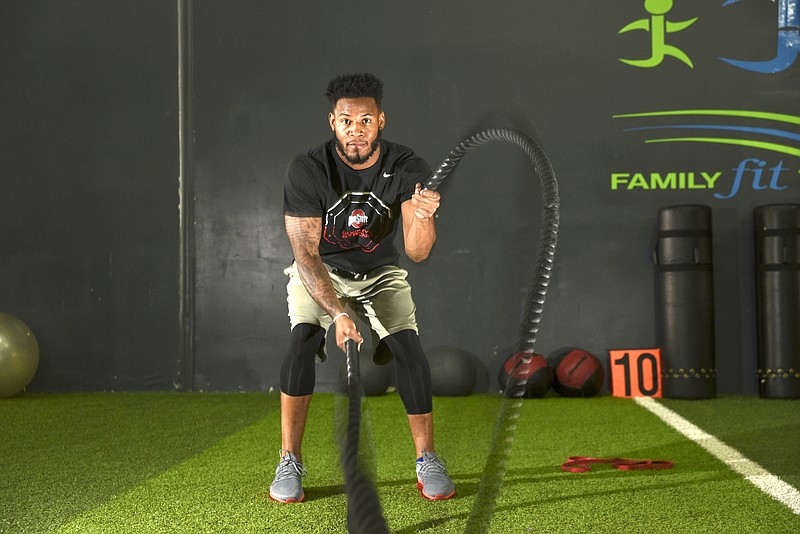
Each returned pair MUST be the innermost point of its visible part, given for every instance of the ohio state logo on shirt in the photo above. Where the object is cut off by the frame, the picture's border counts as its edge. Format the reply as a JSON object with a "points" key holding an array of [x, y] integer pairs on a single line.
{"points": [[358, 220]]}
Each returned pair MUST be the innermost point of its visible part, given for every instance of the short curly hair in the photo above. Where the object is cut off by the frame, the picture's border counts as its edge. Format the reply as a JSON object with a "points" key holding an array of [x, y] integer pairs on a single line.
{"points": [[358, 85]]}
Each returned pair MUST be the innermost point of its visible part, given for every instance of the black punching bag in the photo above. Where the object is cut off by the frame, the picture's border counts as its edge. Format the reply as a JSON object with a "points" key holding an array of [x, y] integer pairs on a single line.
{"points": [[685, 302], [777, 239]]}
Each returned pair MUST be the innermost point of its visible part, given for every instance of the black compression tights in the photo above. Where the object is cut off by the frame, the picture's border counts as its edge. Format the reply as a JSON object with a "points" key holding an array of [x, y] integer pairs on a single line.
{"points": [[412, 374], [298, 372]]}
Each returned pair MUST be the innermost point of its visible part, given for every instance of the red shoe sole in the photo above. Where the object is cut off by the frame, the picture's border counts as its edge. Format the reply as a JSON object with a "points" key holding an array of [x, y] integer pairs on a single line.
{"points": [[437, 497], [287, 500]]}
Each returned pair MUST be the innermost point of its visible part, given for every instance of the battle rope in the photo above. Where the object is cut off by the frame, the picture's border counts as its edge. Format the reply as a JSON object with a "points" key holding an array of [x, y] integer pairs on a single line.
{"points": [[529, 326], [500, 449], [364, 513], [367, 516]]}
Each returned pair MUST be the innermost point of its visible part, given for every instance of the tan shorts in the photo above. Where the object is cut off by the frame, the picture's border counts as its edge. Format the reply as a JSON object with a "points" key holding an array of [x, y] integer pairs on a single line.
{"points": [[382, 297]]}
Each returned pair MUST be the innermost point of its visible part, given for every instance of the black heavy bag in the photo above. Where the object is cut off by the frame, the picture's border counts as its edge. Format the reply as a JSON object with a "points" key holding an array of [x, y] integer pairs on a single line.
{"points": [[685, 302], [777, 239]]}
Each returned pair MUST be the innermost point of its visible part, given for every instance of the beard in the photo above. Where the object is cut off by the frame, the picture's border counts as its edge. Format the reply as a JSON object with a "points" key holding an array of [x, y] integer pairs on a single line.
{"points": [[357, 159]]}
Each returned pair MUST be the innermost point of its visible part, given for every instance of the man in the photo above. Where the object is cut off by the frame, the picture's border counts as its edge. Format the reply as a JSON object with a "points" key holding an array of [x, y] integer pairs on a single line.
{"points": [[342, 201]]}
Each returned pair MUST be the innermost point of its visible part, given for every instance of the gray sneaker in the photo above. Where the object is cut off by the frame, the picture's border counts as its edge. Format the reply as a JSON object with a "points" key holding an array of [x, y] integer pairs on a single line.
{"points": [[432, 478], [287, 486]]}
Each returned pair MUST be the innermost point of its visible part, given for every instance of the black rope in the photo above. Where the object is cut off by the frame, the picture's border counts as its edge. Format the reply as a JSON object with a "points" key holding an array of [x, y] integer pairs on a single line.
{"points": [[500, 449], [363, 504], [364, 515]]}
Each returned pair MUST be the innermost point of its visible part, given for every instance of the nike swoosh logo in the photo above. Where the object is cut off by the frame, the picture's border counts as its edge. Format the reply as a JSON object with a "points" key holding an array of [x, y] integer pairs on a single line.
{"points": [[388, 174]]}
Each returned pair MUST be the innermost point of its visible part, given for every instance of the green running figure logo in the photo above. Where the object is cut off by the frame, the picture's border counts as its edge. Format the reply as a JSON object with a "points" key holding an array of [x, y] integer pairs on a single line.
{"points": [[658, 27]]}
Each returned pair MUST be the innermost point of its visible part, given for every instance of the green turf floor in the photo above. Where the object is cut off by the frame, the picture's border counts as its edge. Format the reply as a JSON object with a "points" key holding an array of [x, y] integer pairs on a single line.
{"points": [[193, 463], [764, 430]]}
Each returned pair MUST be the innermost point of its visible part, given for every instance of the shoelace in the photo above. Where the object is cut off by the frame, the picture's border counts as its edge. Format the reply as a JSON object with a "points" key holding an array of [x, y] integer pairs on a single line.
{"points": [[289, 468], [431, 465]]}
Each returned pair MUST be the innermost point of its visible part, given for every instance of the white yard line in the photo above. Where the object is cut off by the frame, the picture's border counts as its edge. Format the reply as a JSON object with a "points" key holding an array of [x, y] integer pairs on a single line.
{"points": [[770, 484]]}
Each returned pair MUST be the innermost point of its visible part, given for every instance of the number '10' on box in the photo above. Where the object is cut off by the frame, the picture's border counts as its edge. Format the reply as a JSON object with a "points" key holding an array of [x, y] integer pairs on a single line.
{"points": [[635, 372]]}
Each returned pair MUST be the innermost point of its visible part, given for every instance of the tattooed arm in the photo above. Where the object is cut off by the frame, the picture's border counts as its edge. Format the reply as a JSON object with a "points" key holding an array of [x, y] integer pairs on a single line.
{"points": [[304, 235]]}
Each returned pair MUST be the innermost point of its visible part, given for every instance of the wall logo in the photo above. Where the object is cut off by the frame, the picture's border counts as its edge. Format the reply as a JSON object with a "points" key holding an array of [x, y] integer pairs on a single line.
{"points": [[768, 134], [773, 174], [659, 27], [788, 40]]}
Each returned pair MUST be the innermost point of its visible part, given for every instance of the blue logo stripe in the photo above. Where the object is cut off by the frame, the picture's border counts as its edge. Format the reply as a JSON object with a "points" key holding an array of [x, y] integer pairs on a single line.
{"points": [[783, 149], [764, 131], [742, 114]]}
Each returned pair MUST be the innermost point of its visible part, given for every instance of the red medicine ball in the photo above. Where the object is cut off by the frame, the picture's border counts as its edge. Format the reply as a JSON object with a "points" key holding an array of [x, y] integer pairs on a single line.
{"points": [[534, 376], [577, 373]]}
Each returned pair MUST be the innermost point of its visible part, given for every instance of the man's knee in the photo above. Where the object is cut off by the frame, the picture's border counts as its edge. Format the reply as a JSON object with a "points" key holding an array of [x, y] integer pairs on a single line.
{"points": [[412, 374], [297, 372]]}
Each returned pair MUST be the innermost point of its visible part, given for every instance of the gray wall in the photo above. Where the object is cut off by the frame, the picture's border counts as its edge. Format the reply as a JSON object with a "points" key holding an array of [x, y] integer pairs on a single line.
{"points": [[259, 71], [88, 167], [450, 68]]}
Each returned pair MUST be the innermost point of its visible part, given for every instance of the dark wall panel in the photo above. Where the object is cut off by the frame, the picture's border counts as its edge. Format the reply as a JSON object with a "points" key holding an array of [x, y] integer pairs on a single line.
{"points": [[89, 168], [551, 68]]}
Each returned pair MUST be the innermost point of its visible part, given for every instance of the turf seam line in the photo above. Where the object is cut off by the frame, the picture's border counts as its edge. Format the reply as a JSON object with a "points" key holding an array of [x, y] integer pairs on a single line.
{"points": [[765, 481]]}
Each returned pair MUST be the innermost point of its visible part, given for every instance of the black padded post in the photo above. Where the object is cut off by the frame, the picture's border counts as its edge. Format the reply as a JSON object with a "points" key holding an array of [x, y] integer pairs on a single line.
{"points": [[685, 302], [777, 242]]}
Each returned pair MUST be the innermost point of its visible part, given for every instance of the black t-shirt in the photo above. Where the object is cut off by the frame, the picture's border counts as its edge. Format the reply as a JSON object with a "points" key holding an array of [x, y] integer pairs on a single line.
{"points": [[360, 210]]}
